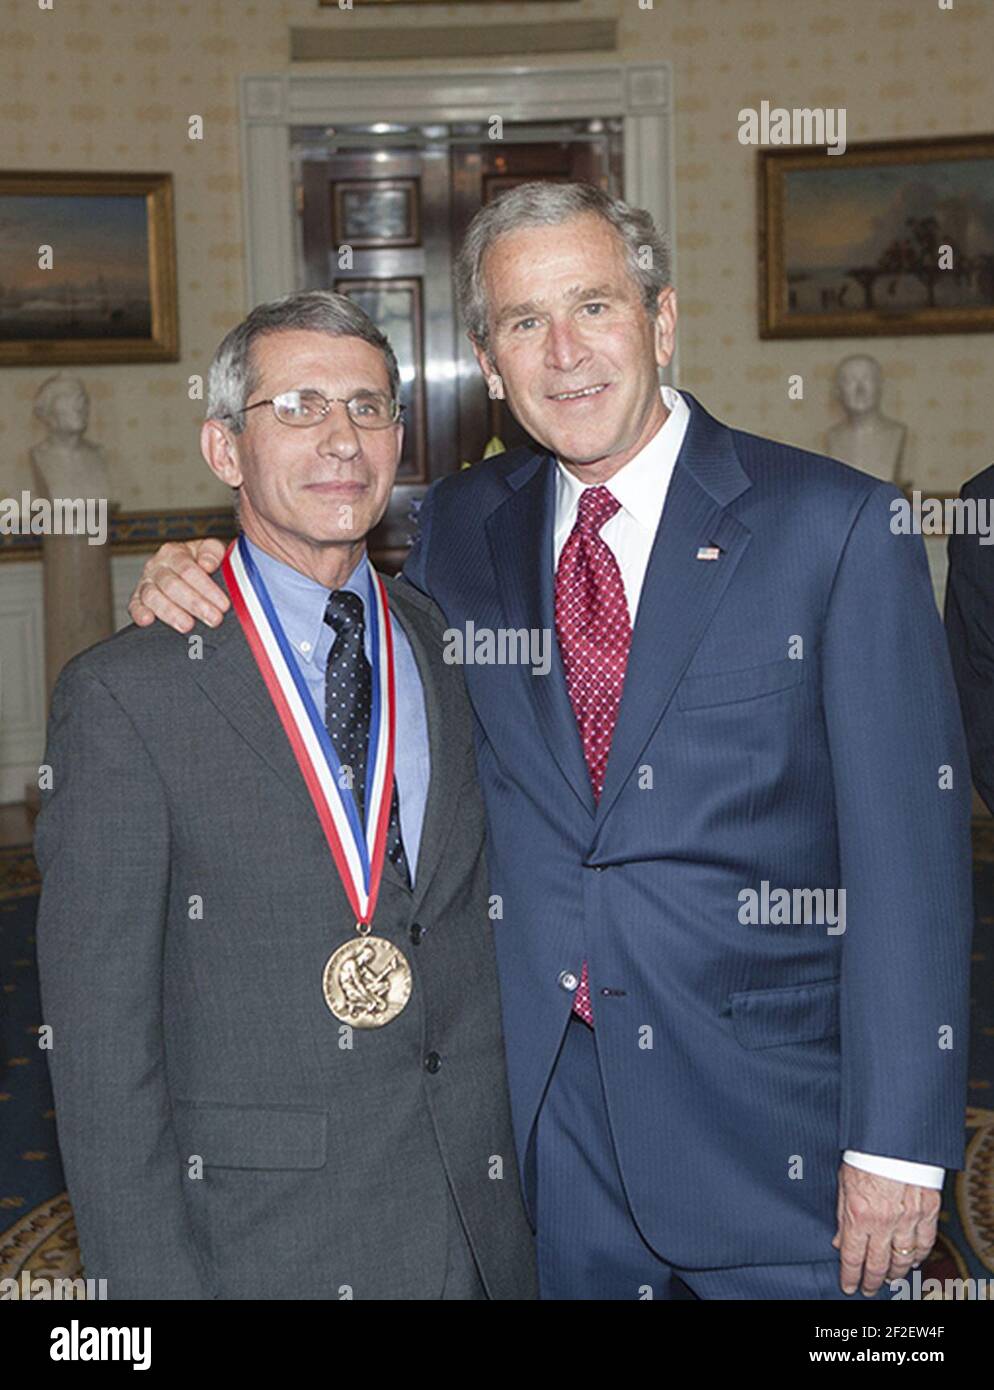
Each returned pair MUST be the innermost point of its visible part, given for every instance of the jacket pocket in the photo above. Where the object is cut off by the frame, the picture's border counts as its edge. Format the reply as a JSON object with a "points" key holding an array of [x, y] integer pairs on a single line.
{"points": [[728, 687], [774, 1017], [248, 1136]]}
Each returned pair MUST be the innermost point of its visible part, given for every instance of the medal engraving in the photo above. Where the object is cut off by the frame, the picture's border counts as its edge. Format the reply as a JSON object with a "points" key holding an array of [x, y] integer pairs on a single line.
{"points": [[367, 982]]}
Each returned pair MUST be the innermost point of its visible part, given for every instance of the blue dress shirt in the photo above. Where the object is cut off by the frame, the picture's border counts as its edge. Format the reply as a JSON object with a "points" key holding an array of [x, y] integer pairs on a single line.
{"points": [[300, 603]]}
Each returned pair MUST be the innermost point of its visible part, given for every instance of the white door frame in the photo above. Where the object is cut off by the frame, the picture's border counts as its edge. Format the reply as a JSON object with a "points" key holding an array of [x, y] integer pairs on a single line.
{"points": [[271, 105]]}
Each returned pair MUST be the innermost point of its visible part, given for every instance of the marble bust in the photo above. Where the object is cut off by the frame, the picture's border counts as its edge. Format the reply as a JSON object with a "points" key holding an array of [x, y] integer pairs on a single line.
{"points": [[77, 576], [866, 438]]}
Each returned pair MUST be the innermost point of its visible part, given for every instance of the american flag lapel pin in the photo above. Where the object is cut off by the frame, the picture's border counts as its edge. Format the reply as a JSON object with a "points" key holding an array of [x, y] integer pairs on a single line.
{"points": [[709, 552]]}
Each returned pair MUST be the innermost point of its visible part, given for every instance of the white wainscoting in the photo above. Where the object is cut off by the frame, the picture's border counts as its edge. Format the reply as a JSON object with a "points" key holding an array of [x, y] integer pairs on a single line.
{"points": [[938, 565], [22, 665]]}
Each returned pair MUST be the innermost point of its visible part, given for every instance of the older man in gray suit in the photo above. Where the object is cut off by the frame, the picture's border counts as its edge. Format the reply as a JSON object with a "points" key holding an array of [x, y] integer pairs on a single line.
{"points": [[275, 1078]]}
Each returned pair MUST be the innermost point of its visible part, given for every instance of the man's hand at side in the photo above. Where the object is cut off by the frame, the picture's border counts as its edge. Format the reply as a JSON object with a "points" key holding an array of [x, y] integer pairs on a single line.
{"points": [[877, 1217], [174, 586]]}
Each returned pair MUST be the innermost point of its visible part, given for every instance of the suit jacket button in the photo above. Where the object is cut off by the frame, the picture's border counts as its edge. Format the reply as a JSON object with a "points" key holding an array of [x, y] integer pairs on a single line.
{"points": [[417, 932], [432, 1062], [567, 980]]}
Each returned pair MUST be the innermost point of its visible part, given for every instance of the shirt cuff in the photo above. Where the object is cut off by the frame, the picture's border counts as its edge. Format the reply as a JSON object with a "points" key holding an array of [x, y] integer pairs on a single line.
{"points": [[900, 1169]]}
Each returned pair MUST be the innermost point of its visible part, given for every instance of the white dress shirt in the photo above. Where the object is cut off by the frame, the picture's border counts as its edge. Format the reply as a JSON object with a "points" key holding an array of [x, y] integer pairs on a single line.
{"points": [[641, 487]]}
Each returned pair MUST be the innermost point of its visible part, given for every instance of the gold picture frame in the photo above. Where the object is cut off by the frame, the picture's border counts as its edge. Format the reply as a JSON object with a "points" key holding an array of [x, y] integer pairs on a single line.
{"points": [[108, 292], [334, 5], [849, 245]]}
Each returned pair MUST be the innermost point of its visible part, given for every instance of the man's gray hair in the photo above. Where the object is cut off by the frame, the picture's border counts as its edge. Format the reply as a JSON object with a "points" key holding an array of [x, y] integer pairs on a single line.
{"points": [[542, 204], [232, 377]]}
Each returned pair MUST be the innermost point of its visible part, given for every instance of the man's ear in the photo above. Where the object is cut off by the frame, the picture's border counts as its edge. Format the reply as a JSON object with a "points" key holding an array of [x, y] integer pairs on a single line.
{"points": [[664, 327], [217, 444], [491, 375]]}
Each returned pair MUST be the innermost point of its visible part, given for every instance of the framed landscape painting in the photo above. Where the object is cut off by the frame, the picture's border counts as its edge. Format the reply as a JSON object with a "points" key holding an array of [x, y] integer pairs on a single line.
{"points": [[333, 4], [893, 237], [87, 269]]}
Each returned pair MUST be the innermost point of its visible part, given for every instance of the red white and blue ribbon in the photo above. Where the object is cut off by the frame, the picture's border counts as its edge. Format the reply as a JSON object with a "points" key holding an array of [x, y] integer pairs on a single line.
{"points": [[358, 852]]}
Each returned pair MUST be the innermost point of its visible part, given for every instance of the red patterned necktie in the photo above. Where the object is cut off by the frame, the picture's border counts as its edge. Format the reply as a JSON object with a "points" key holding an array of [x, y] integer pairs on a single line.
{"points": [[595, 634]]}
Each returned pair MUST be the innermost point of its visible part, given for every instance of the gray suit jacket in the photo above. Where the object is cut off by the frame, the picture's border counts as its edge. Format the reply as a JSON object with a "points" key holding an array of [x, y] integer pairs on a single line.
{"points": [[189, 904]]}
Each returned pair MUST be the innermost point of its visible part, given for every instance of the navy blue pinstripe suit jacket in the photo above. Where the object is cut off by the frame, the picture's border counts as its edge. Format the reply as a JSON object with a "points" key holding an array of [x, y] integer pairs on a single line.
{"points": [[789, 717]]}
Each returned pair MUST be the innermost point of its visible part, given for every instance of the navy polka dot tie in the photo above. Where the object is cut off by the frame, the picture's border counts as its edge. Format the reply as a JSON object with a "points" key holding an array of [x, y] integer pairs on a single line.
{"points": [[347, 706]]}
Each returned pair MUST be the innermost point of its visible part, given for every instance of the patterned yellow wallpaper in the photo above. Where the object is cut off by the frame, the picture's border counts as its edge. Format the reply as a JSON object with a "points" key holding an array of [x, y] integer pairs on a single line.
{"points": [[110, 84], [903, 69]]}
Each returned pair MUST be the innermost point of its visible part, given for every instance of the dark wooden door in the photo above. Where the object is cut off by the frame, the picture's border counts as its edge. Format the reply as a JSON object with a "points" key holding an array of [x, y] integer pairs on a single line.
{"points": [[379, 218]]}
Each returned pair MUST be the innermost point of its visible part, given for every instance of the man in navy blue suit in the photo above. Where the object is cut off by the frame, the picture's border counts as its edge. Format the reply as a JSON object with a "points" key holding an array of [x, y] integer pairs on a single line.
{"points": [[728, 829], [970, 626]]}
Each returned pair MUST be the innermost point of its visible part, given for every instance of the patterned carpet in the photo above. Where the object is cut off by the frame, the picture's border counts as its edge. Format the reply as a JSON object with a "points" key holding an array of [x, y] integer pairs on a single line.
{"points": [[36, 1223], [37, 1232]]}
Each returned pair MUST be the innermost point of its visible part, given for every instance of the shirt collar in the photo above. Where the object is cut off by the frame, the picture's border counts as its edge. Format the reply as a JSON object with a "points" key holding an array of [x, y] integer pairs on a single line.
{"points": [[300, 601], [640, 486]]}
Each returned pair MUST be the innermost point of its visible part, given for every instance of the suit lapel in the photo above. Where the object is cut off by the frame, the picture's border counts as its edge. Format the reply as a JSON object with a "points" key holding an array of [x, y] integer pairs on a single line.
{"points": [[520, 532], [232, 682], [447, 771], [680, 592]]}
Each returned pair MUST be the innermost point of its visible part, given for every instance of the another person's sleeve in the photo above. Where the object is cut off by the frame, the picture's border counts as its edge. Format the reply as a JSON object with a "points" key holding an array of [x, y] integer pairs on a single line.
{"points": [[970, 630], [902, 793]]}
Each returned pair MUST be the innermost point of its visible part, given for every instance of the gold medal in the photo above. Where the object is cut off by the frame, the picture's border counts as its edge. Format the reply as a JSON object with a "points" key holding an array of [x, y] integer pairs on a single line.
{"points": [[367, 982]]}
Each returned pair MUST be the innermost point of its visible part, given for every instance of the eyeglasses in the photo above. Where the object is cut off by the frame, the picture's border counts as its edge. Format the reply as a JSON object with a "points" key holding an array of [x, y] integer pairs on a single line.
{"points": [[369, 410]]}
